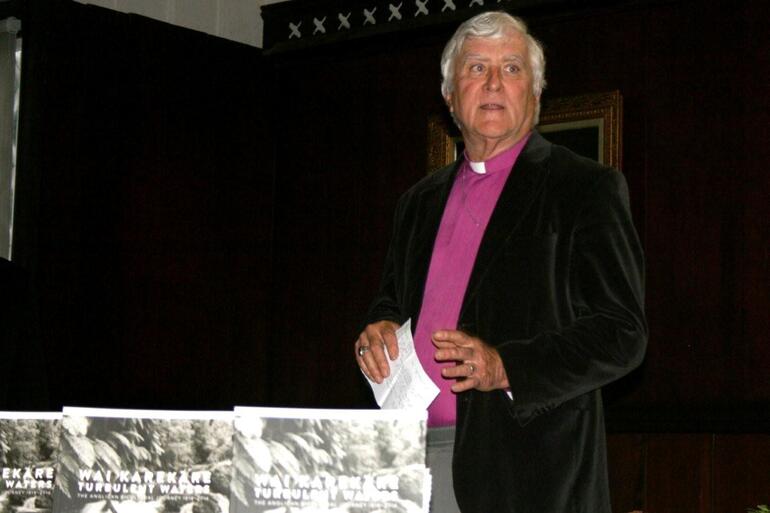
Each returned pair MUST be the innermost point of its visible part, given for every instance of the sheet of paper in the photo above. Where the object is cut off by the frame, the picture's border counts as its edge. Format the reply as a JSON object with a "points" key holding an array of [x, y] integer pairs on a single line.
{"points": [[408, 386]]}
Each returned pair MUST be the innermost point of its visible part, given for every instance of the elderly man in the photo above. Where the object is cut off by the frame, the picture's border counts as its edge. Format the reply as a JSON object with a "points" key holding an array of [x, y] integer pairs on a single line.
{"points": [[523, 275]]}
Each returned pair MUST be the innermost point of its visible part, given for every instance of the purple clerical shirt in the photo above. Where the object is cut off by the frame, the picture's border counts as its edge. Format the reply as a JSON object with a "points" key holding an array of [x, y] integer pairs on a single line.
{"points": [[472, 199]]}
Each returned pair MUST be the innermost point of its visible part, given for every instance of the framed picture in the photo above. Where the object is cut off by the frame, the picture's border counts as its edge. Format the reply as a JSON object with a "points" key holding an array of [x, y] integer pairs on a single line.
{"points": [[590, 125], [443, 141]]}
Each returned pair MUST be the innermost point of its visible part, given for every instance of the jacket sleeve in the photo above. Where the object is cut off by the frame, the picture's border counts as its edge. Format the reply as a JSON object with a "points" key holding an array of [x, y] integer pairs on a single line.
{"points": [[607, 335]]}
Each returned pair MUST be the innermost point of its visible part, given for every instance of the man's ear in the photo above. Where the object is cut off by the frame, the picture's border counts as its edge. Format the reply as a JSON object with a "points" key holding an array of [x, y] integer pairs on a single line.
{"points": [[448, 100]]}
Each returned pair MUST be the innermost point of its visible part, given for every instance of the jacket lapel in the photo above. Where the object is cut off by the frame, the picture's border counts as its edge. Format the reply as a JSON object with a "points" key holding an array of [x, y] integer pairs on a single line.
{"points": [[519, 192]]}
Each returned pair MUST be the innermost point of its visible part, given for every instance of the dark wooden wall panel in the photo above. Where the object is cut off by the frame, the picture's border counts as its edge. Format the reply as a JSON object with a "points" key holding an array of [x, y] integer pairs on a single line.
{"points": [[741, 472], [627, 461], [691, 250], [753, 262], [679, 474], [693, 472]]}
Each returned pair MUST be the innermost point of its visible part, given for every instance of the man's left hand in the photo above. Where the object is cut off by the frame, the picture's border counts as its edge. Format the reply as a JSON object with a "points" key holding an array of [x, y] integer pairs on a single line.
{"points": [[479, 364]]}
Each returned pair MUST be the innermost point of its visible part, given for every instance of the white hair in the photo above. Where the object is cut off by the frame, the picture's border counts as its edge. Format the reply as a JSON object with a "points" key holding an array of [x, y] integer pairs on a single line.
{"points": [[493, 24]]}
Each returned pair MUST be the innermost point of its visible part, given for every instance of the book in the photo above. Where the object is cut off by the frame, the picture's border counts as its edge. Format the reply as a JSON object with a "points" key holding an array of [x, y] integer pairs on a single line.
{"points": [[306, 460], [143, 461], [28, 446]]}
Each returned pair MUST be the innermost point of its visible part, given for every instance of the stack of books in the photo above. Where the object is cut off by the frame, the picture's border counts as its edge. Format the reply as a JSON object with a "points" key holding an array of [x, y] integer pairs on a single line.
{"points": [[250, 460]]}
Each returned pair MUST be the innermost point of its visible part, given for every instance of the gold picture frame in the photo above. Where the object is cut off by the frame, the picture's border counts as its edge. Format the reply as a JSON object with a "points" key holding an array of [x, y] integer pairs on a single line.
{"points": [[589, 124], [443, 136]]}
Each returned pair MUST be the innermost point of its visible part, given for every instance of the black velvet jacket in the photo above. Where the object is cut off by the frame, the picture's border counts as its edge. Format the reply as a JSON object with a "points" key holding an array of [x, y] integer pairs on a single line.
{"points": [[558, 289]]}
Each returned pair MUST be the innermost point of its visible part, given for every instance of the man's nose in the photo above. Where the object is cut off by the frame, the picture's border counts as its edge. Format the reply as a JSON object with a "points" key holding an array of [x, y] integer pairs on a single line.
{"points": [[493, 82]]}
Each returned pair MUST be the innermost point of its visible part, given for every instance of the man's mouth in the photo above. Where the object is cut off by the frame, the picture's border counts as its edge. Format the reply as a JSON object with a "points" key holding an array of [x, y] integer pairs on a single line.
{"points": [[492, 106]]}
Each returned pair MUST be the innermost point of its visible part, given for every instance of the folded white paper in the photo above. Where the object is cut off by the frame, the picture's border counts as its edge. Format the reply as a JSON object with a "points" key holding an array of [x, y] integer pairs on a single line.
{"points": [[408, 386]]}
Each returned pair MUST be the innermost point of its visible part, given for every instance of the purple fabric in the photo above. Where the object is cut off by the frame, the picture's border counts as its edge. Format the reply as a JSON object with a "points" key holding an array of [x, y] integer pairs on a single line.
{"points": [[471, 201]]}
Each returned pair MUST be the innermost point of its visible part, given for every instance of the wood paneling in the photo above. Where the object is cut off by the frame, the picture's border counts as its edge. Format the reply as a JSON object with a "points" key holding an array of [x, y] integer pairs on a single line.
{"points": [[741, 472], [693, 472], [679, 473], [627, 460]]}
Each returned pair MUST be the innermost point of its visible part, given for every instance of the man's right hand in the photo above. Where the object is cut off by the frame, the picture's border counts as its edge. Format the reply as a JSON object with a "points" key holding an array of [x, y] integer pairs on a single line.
{"points": [[370, 349]]}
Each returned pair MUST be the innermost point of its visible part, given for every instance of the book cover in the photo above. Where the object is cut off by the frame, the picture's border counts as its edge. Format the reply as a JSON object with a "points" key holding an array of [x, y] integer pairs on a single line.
{"points": [[143, 461], [28, 445], [304, 460]]}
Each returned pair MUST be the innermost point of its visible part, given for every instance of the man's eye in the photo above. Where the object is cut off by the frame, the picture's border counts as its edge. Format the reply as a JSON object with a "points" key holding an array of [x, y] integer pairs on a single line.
{"points": [[477, 68], [512, 68]]}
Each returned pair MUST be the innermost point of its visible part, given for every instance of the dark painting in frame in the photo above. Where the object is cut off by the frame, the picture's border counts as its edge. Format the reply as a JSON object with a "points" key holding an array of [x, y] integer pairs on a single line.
{"points": [[590, 125]]}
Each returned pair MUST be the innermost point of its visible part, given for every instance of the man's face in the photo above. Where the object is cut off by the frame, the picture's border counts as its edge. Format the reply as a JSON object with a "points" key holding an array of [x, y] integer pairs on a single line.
{"points": [[492, 97]]}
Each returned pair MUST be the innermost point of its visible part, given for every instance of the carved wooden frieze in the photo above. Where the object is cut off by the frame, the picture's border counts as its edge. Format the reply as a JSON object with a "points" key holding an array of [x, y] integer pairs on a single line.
{"points": [[302, 23]]}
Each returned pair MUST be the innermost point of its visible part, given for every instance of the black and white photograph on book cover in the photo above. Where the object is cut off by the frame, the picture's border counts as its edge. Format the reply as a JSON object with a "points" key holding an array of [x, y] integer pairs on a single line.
{"points": [[308, 461], [28, 445], [140, 461]]}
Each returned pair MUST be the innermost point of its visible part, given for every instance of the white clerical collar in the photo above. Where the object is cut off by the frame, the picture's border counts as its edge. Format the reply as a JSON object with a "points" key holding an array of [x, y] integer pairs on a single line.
{"points": [[478, 167]]}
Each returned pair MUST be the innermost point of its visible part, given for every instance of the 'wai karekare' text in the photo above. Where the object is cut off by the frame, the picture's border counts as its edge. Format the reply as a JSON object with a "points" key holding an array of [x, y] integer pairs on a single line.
{"points": [[318, 489], [141, 482]]}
